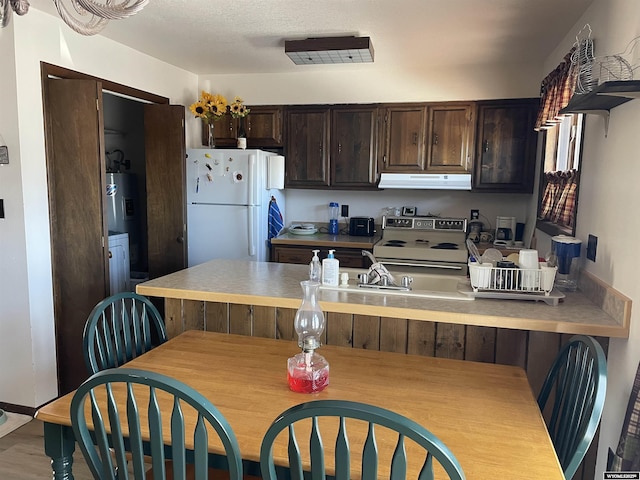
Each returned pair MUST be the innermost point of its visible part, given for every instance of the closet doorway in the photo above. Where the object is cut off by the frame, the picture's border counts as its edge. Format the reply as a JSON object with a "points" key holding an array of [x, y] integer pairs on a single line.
{"points": [[77, 170]]}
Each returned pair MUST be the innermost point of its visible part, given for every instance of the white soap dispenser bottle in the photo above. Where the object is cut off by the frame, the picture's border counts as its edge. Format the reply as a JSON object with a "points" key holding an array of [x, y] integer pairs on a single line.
{"points": [[330, 270], [315, 269]]}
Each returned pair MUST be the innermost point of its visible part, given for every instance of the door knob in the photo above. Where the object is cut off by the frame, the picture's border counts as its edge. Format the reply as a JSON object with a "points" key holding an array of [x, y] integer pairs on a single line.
{"points": [[180, 239]]}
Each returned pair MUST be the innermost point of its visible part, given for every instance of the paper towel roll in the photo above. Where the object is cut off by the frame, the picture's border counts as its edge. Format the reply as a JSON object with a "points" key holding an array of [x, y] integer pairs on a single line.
{"points": [[275, 172]]}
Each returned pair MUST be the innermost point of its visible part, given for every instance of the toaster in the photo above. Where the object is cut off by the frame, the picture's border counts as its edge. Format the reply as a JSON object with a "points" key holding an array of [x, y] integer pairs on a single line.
{"points": [[361, 226]]}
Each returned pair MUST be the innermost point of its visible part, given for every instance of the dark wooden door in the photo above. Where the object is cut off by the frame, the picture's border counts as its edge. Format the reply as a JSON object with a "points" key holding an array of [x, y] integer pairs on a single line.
{"points": [[506, 146], [307, 152], [165, 156], [449, 139], [353, 146], [404, 131], [76, 180]]}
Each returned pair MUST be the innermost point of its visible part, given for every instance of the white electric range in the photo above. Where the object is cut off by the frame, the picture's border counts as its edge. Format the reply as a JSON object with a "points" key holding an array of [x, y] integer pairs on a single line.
{"points": [[430, 244]]}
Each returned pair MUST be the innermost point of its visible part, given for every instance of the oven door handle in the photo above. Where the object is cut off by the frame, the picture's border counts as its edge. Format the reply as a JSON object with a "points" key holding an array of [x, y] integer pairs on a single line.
{"points": [[430, 265]]}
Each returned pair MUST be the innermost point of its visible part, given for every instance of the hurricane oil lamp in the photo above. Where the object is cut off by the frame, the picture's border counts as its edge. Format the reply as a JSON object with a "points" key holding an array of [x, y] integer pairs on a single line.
{"points": [[308, 372]]}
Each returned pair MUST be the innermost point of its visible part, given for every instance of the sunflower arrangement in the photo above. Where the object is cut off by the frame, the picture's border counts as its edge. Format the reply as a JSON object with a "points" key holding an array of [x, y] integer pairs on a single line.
{"points": [[209, 108], [238, 109]]}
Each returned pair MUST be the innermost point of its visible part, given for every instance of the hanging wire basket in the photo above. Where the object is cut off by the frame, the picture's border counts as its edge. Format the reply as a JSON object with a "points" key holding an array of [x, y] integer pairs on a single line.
{"points": [[582, 61]]}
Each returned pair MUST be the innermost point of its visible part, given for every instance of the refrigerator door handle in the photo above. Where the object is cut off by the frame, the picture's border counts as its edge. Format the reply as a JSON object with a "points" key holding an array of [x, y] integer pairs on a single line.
{"points": [[252, 232], [253, 180]]}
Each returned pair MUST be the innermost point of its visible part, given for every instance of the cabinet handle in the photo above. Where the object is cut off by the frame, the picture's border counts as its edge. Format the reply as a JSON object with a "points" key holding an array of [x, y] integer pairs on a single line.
{"points": [[415, 138], [339, 148], [110, 254], [180, 239], [485, 146], [435, 139], [384, 158], [320, 147]]}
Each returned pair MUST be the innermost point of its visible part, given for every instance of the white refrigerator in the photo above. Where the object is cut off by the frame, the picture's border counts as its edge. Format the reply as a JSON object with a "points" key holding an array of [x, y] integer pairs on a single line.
{"points": [[228, 197]]}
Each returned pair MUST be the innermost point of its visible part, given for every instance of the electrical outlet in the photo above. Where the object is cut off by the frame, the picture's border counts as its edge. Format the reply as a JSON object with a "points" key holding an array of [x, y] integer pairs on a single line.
{"points": [[345, 210], [475, 214], [592, 247]]}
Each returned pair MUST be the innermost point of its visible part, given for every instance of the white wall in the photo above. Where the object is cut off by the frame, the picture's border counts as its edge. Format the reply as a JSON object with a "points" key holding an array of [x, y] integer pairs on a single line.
{"points": [[608, 197], [27, 346]]}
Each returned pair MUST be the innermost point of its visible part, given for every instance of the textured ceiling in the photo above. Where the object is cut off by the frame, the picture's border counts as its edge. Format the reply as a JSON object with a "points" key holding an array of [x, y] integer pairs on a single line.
{"points": [[247, 36]]}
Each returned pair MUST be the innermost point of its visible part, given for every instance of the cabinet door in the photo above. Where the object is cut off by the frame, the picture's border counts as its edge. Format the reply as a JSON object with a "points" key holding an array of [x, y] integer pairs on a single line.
{"points": [[307, 152], [348, 257], [404, 129], [224, 132], [353, 146], [506, 146], [449, 138], [264, 126]]}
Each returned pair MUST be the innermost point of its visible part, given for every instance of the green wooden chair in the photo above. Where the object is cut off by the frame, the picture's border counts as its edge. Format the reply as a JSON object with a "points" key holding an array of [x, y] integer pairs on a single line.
{"points": [[375, 416], [576, 385], [121, 328], [142, 392]]}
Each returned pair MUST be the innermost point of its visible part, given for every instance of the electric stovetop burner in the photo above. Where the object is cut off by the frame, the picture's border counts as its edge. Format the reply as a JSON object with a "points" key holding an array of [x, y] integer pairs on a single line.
{"points": [[395, 243], [446, 246]]}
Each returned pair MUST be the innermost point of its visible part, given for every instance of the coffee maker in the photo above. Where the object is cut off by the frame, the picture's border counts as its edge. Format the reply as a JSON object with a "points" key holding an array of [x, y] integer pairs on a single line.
{"points": [[505, 231]]}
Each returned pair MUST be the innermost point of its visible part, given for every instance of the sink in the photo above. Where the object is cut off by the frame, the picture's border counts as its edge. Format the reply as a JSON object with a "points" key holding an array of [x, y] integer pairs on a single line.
{"points": [[445, 287]]}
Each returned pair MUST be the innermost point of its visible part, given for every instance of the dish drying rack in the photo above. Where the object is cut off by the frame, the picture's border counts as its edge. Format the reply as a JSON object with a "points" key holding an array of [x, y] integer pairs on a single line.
{"points": [[514, 283]]}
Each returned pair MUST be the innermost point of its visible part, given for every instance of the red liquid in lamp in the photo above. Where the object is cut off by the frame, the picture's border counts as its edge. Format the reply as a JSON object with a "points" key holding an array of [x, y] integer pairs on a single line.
{"points": [[307, 373], [304, 382]]}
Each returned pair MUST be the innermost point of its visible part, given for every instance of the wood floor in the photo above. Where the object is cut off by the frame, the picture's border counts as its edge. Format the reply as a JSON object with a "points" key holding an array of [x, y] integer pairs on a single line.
{"points": [[22, 456]]}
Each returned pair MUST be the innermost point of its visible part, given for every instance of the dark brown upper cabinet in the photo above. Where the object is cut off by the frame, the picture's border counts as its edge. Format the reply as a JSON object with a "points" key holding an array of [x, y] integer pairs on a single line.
{"points": [[506, 146], [428, 138], [263, 126], [331, 147]]}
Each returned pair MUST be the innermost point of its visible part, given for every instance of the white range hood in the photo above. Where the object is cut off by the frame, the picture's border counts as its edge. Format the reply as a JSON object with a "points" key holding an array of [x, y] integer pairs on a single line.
{"points": [[426, 181]]}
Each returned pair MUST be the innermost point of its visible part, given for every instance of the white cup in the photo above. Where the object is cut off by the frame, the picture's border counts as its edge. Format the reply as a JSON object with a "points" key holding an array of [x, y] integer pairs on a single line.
{"points": [[528, 258], [480, 274], [547, 276], [528, 261]]}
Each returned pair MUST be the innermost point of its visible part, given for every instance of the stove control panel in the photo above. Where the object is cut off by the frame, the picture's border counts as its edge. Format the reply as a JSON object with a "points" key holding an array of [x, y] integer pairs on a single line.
{"points": [[426, 223]]}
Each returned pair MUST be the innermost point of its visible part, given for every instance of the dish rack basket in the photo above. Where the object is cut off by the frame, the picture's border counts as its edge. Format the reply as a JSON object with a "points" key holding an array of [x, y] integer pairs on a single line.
{"points": [[512, 280]]}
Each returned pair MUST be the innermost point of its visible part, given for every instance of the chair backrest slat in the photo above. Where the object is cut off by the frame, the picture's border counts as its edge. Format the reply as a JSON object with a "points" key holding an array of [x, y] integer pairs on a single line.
{"points": [[119, 329], [374, 416], [295, 459], [399, 460], [578, 379], [139, 392], [370, 455], [343, 457], [317, 452]]}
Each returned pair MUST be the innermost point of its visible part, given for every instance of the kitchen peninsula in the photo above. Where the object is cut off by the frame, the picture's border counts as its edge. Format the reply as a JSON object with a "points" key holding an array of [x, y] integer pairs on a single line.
{"points": [[261, 299]]}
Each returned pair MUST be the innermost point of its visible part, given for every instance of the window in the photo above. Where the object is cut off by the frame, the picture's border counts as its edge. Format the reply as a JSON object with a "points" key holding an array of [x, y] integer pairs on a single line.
{"points": [[560, 177]]}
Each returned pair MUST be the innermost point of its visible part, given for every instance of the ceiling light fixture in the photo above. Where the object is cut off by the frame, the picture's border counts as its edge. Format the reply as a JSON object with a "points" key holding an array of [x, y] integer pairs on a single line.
{"points": [[313, 51], [87, 17]]}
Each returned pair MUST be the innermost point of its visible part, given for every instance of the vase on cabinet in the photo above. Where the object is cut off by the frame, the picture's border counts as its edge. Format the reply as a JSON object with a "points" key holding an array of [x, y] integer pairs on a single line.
{"points": [[211, 138], [241, 141]]}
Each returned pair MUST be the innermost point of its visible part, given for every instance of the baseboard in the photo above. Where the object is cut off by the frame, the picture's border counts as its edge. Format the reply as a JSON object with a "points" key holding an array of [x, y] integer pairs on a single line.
{"points": [[21, 409]]}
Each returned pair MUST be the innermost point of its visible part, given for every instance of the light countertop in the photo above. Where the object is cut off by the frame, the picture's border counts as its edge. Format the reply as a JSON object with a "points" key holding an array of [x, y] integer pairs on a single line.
{"points": [[278, 285], [325, 240]]}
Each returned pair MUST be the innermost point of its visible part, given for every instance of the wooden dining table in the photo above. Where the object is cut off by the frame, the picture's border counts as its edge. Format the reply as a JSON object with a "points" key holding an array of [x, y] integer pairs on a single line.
{"points": [[485, 413]]}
